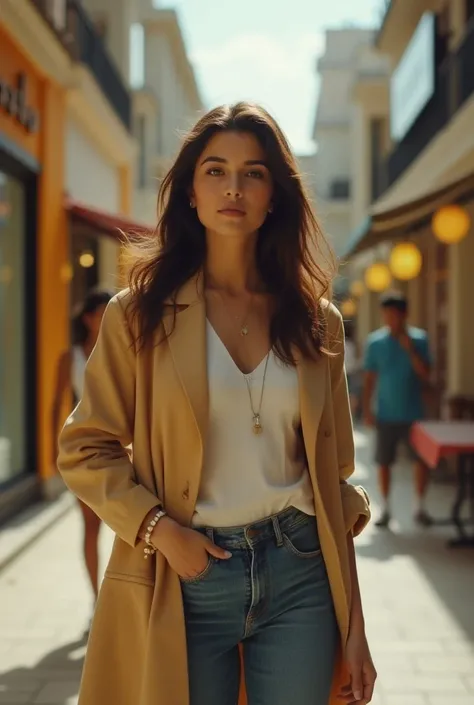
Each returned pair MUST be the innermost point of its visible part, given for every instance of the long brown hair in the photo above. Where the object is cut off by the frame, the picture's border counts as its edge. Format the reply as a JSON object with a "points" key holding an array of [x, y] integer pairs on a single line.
{"points": [[290, 250]]}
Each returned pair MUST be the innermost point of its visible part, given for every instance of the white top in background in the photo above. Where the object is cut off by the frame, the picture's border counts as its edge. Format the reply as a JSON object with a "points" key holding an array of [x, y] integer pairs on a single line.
{"points": [[248, 477], [77, 372]]}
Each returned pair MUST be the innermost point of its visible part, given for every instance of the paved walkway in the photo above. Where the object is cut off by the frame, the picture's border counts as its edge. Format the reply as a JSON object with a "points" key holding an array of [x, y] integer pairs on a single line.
{"points": [[418, 595]]}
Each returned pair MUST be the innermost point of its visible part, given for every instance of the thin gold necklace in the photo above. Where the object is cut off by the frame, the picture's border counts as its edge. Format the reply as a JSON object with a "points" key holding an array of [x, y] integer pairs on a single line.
{"points": [[256, 414], [243, 325]]}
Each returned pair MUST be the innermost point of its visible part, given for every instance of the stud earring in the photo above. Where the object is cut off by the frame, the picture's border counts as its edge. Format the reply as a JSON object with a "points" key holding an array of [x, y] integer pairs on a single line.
{"points": [[191, 204], [270, 209]]}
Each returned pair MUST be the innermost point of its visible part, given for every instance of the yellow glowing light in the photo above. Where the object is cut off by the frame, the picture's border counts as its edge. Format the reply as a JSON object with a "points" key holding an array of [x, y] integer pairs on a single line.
{"points": [[348, 308], [357, 288], [405, 261], [377, 277], [451, 224], [87, 260]]}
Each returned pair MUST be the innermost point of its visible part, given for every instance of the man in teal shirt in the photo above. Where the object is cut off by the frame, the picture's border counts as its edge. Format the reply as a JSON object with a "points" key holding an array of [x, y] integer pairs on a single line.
{"points": [[397, 364]]}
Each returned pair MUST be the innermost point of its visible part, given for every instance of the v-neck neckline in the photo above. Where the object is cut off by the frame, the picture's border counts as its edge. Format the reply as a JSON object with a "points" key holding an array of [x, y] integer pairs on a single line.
{"points": [[244, 374]]}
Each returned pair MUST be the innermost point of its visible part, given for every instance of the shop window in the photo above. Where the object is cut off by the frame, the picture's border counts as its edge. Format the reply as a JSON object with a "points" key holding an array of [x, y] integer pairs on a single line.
{"points": [[86, 265], [13, 392]]}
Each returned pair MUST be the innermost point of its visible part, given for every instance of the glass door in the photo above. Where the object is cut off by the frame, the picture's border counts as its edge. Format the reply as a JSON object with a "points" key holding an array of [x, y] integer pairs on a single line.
{"points": [[13, 445]]}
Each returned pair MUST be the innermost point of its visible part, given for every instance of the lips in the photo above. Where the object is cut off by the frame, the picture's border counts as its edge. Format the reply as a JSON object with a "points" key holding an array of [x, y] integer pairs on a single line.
{"points": [[232, 212]]}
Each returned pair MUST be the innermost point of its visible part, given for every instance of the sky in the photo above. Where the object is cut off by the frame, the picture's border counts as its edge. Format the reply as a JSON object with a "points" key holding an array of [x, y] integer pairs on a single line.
{"points": [[266, 51]]}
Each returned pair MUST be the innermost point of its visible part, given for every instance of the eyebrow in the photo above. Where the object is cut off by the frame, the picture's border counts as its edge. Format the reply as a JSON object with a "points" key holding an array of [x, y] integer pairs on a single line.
{"points": [[250, 162]]}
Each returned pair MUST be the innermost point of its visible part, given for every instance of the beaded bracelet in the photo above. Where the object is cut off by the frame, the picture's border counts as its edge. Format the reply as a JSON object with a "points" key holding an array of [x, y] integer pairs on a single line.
{"points": [[149, 549]]}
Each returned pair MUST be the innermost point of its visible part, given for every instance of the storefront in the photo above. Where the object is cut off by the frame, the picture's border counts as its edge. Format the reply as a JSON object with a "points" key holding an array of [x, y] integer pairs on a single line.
{"points": [[17, 331], [425, 248], [97, 195], [33, 245]]}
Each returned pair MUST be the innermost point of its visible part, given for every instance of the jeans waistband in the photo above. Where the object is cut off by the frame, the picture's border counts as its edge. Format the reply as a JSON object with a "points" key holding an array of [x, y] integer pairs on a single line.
{"points": [[270, 528]]}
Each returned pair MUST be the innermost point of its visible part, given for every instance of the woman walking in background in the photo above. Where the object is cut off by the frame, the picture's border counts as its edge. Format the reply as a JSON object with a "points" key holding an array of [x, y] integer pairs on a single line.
{"points": [[353, 368], [69, 381], [223, 366]]}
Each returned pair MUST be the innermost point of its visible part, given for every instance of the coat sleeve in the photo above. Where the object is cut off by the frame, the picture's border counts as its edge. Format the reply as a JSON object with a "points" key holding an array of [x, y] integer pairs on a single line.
{"points": [[93, 459], [355, 500]]}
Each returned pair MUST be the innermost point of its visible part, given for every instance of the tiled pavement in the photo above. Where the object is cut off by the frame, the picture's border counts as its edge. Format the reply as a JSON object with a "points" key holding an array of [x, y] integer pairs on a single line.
{"points": [[418, 595]]}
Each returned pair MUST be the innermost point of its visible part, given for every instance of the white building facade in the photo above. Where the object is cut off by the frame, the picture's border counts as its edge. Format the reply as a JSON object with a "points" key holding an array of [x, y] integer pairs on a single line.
{"points": [[347, 53], [147, 45], [166, 103]]}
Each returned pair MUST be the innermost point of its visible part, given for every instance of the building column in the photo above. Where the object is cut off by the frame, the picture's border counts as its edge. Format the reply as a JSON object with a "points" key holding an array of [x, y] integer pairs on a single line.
{"points": [[461, 296], [457, 19], [53, 252]]}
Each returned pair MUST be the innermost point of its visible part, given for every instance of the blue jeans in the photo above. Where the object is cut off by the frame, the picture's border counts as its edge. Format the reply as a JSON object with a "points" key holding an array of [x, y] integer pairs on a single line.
{"points": [[272, 596]]}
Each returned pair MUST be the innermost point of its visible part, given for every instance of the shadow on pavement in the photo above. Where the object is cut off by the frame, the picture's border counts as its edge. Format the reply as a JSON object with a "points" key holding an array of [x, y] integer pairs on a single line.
{"points": [[54, 679], [450, 572]]}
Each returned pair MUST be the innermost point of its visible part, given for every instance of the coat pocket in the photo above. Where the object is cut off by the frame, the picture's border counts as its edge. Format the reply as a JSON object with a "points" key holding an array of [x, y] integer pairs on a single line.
{"points": [[127, 578]]}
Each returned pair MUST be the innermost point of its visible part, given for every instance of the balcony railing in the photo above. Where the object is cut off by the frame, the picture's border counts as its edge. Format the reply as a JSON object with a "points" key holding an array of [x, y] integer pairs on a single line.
{"points": [[454, 85], [79, 36]]}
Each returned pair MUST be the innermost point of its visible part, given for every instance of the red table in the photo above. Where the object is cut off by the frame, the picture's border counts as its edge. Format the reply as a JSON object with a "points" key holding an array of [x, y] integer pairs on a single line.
{"points": [[433, 440]]}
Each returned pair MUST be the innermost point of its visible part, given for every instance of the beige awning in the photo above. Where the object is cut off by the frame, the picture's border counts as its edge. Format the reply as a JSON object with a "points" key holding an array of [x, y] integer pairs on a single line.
{"points": [[406, 219]]}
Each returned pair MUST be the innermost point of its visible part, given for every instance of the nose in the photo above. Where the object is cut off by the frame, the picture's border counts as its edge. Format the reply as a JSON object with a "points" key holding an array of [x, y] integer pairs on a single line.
{"points": [[233, 187]]}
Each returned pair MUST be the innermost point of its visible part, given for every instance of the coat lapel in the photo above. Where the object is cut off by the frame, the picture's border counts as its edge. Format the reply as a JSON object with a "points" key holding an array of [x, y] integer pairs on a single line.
{"points": [[187, 343], [188, 348]]}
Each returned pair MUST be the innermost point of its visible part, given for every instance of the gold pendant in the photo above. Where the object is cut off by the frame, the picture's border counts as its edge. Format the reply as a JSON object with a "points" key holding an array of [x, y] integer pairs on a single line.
{"points": [[244, 331], [257, 426]]}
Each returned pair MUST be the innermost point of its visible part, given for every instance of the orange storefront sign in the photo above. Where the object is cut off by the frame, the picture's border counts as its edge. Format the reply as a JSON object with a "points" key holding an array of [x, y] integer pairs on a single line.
{"points": [[21, 97]]}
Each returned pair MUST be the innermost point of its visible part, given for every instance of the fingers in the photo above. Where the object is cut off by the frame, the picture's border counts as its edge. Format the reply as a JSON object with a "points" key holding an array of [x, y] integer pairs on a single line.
{"points": [[356, 684], [216, 551], [370, 676], [361, 689]]}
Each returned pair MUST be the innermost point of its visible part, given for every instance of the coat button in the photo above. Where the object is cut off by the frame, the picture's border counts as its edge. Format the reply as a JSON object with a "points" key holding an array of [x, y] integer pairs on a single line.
{"points": [[327, 433], [185, 494]]}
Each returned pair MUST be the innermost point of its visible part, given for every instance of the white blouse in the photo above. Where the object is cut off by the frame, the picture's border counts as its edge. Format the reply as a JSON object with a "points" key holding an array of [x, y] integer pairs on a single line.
{"points": [[247, 477]]}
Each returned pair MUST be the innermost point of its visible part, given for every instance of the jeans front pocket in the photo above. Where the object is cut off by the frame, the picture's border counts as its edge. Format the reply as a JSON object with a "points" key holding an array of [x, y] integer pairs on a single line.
{"points": [[302, 540], [202, 575]]}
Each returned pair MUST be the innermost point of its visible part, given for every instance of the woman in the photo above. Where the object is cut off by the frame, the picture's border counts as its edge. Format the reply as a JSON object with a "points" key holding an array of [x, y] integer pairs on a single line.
{"points": [[352, 365], [223, 366], [69, 383]]}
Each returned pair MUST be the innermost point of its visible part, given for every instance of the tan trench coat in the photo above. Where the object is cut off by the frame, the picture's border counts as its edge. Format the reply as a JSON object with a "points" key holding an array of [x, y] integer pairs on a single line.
{"points": [[156, 399]]}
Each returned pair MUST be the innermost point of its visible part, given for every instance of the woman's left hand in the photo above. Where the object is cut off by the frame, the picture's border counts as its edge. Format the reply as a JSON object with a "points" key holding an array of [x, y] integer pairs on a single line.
{"points": [[361, 668]]}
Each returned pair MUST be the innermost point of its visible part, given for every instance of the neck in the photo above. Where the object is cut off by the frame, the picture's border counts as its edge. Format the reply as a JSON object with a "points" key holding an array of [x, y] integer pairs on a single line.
{"points": [[397, 331], [230, 264]]}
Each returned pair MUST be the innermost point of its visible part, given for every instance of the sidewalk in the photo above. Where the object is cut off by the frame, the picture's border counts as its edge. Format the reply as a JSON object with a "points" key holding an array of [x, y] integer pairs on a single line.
{"points": [[418, 597]]}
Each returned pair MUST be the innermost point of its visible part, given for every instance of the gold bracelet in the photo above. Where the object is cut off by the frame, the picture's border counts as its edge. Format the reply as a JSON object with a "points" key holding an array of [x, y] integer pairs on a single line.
{"points": [[149, 549]]}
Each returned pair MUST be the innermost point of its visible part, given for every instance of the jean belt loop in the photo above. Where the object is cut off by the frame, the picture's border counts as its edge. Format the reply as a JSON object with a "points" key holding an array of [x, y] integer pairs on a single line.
{"points": [[210, 533], [277, 530]]}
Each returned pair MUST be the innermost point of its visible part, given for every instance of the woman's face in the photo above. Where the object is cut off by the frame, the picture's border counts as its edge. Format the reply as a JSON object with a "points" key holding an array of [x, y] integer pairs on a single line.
{"points": [[232, 185], [93, 320]]}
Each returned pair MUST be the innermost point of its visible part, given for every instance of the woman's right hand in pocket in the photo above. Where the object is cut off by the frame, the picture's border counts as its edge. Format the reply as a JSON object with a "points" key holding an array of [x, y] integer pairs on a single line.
{"points": [[186, 550]]}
